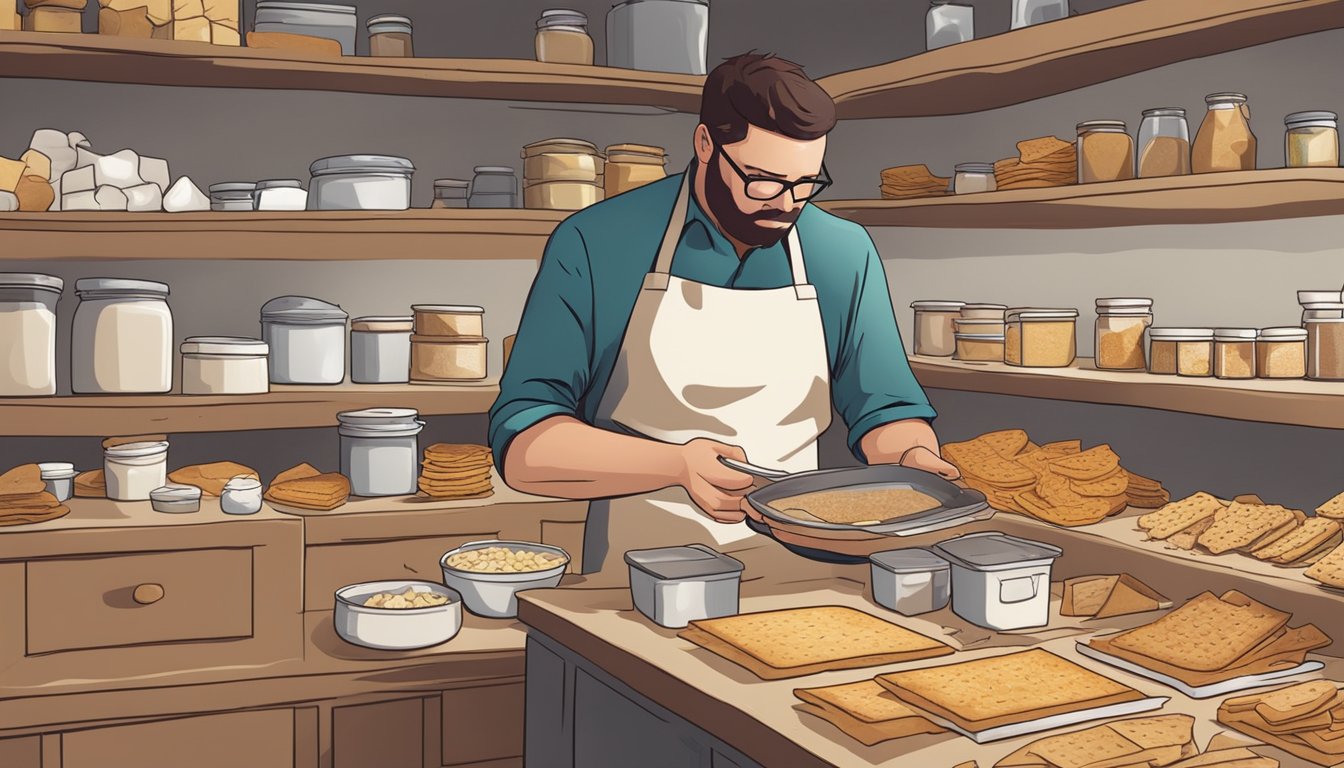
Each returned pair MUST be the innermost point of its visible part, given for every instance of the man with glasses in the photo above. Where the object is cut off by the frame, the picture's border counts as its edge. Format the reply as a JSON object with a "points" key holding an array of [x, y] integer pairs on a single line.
{"points": [[714, 314]]}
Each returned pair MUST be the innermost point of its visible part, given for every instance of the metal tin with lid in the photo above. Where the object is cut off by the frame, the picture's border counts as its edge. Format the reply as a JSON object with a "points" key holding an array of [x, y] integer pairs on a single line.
{"points": [[28, 333], [306, 338], [674, 586], [380, 349], [659, 35], [380, 451], [175, 499], [910, 581], [90, 287], [360, 183], [30, 281], [999, 581], [232, 196], [562, 17], [325, 20]]}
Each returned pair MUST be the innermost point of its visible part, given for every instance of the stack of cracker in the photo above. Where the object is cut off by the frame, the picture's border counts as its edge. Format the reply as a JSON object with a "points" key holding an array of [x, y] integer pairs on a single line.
{"points": [[1213, 639], [1101, 597], [1043, 162], [456, 472], [1246, 524], [864, 711], [1145, 741], [1305, 720], [1057, 482], [907, 181], [307, 488], [24, 498], [91, 484]]}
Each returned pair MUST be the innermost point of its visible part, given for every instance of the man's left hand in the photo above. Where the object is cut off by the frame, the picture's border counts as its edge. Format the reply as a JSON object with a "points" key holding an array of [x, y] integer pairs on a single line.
{"points": [[925, 459]]}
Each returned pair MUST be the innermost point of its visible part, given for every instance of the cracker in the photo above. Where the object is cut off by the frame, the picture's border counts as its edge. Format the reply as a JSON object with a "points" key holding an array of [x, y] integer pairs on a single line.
{"points": [[866, 700], [1091, 464], [1206, 634], [23, 479], [1315, 555], [1243, 525], [1186, 539], [297, 472], [1113, 485], [1297, 701], [1033, 150], [978, 459], [1140, 482], [1180, 515], [1298, 543], [1329, 570], [1233, 757], [1146, 741], [1007, 443], [1333, 509], [1149, 502], [212, 477]]}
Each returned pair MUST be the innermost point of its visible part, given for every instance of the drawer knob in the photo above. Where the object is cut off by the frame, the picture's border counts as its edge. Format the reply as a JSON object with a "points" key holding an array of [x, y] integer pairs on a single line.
{"points": [[147, 594]]}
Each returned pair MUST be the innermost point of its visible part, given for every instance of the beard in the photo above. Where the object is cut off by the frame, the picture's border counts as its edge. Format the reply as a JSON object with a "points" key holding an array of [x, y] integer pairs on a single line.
{"points": [[743, 227]]}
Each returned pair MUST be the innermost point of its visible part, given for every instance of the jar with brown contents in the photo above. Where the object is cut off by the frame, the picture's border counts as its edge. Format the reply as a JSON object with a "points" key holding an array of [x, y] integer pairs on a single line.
{"points": [[979, 347], [1105, 151], [1325, 349], [390, 35], [1164, 143], [1121, 327], [1181, 351], [1041, 338], [1281, 353], [562, 37], [1234, 353], [1311, 140], [1224, 141]]}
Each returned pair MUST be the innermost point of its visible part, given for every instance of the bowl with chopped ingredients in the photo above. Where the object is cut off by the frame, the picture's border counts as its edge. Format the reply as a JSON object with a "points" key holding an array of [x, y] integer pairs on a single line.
{"points": [[397, 615], [490, 574]]}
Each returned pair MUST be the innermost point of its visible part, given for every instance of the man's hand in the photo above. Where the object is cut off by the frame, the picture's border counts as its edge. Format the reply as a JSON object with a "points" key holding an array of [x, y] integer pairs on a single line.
{"points": [[910, 443], [717, 489], [920, 457]]}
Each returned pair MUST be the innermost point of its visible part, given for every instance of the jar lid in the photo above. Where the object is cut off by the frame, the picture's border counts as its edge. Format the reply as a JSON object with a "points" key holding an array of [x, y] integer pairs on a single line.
{"points": [[373, 417], [361, 164], [225, 345], [1306, 297], [1318, 305], [120, 285], [1283, 334], [301, 309], [279, 184], [1041, 314], [1322, 118], [1164, 112], [1234, 334], [243, 483], [56, 470], [388, 18], [561, 17], [637, 149], [693, 561], [973, 168], [232, 186], [1323, 320], [1228, 97], [493, 169], [564, 146], [175, 492], [1180, 334], [978, 336], [134, 450], [1124, 303], [383, 323], [911, 560], [31, 280], [288, 5], [464, 309], [973, 306], [451, 183], [937, 305], [1101, 125]]}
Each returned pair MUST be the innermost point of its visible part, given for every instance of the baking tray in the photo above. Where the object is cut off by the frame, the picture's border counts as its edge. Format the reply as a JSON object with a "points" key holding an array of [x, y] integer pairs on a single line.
{"points": [[1064, 720], [1243, 683]]}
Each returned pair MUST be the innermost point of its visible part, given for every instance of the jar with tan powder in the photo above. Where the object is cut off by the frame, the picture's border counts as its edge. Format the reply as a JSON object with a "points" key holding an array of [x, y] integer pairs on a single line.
{"points": [[1164, 143], [979, 347], [1281, 353], [562, 37], [390, 35], [1041, 338], [1234, 353], [1105, 151], [933, 327], [1121, 327], [1311, 140], [1224, 141], [1325, 349], [1180, 351]]}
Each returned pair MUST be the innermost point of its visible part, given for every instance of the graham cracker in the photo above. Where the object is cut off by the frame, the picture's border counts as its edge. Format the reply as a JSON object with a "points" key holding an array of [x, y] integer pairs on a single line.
{"points": [[23, 479], [1092, 464], [870, 734], [865, 711], [1296, 701], [1182, 637], [1316, 555], [1233, 757], [1084, 595], [1179, 515], [1329, 570], [1243, 525], [1333, 509], [1296, 544], [1034, 150]]}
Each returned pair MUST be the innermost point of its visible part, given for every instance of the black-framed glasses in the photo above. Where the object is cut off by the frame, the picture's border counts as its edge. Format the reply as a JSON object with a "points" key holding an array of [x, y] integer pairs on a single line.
{"points": [[769, 188]]}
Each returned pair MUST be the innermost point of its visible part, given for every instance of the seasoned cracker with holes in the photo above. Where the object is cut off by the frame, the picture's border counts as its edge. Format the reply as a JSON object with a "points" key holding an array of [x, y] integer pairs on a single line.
{"points": [[1245, 524], [1179, 515]]}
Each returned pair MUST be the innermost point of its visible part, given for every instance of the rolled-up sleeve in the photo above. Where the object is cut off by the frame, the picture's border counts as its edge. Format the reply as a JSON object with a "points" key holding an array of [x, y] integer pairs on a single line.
{"points": [[549, 367], [872, 383]]}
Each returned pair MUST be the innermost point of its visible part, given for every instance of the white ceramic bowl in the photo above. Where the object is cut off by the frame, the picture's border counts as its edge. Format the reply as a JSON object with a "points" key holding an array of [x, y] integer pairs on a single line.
{"points": [[495, 595], [396, 629]]}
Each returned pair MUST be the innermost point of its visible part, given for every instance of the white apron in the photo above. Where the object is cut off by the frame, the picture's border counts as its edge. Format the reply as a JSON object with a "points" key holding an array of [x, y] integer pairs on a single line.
{"points": [[744, 367]]}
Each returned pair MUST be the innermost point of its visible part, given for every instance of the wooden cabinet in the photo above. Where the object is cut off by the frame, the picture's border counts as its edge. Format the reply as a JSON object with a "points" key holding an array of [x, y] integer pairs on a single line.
{"points": [[481, 725], [260, 739], [22, 752]]}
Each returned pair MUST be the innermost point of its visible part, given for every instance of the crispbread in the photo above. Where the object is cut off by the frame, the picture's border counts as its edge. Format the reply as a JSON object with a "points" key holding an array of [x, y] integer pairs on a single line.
{"points": [[1084, 596], [1160, 731], [1112, 485], [23, 479], [864, 700], [1183, 638], [210, 478], [1035, 150], [1002, 690], [1315, 556], [1092, 464], [1329, 570], [1297, 702], [1333, 509], [1007, 443], [980, 460], [1179, 515], [91, 484], [1298, 543], [1243, 525], [870, 734], [1186, 539], [303, 487], [833, 636], [1145, 741], [1234, 757]]}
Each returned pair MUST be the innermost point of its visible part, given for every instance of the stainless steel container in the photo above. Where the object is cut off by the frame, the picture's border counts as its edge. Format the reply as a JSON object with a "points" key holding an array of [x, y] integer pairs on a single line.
{"points": [[233, 196], [493, 186], [495, 595], [360, 183], [659, 35], [910, 581], [59, 478], [380, 350], [396, 629], [1000, 582], [380, 450], [674, 586], [306, 340], [325, 20]]}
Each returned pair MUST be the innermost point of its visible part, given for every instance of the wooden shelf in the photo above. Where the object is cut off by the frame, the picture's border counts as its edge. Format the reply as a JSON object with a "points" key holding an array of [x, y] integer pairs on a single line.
{"points": [[1296, 402], [318, 235], [109, 59], [1026, 64], [285, 407], [1211, 198]]}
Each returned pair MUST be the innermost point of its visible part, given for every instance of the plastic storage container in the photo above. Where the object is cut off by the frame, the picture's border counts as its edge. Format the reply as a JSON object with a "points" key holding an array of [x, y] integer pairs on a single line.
{"points": [[448, 358], [132, 470], [493, 186], [1164, 143], [59, 478], [974, 177], [562, 37], [233, 196], [224, 365], [1041, 338], [1180, 351], [1281, 353], [122, 340], [325, 20], [659, 35], [674, 586], [910, 581], [360, 183], [380, 450], [1325, 349], [983, 311], [28, 333], [948, 23], [306, 338], [449, 319], [175, 499], [1234, 353], [934, 333], [1000, 582], [241, 496], [1311, 140], [280, 195], [979, 347], [380, 350], [1122, 326]]}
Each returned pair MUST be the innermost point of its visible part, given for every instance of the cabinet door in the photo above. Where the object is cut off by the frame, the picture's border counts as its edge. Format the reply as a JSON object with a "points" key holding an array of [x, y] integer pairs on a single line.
{"points": [[261, 739], [482, 724], [388, 734], [22, 752]]}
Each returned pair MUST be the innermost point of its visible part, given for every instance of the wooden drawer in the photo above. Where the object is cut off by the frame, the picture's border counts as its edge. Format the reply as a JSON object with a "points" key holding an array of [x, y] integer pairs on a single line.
{"points": [[140, 598], [261, 739], [387, 734], [23, 752], [482, 724], [328, 567]]}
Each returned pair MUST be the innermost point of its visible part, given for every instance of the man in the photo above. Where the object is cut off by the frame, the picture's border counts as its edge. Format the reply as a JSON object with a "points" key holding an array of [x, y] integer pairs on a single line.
{"points": [[681, 322]]}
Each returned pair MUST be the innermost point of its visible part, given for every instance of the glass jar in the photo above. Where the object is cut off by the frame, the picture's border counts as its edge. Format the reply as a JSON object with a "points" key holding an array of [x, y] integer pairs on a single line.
{"points": [[1224, 141], [1311, 140], [562, 37], [974, 177], [948, 23], [390, 35], [1180, 351], [122, 340], [1281, 353], [1234, 353], [933, 327], [28, 333], [1164, 143], [493, 186], [1029, 12], [1325, 349], [450, 193], [979, 348], [1041, 338], [1121, 327], [1105, 151]]}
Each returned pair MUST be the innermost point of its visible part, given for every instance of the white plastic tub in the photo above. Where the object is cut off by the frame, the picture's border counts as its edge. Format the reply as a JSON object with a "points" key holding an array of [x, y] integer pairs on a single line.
{"points": [[910, 581], [224, 365], [674, 586], [134, 470], [1000, 582]]}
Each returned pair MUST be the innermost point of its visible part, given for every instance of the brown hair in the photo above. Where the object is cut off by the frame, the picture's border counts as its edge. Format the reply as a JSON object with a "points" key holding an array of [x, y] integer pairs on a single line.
{"points": [[767, 92]]}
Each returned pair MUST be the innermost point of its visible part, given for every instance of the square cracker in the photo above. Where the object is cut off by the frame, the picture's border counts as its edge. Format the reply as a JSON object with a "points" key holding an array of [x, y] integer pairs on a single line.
{"points": [[1186, 539], [1033, 150], [865, 700], [1092, 464], [1180, 515], [1296, 701], [1145, 741], [1298, 543], [1245, 524], [1005, 442], [1329, 570], [1183, 638], [1333, 509]]}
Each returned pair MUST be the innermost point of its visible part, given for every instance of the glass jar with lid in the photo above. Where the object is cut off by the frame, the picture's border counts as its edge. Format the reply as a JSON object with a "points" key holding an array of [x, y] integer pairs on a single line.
{"points": [[1121, 327], [450, 193], [1164, 143], [28, 333], [1105, 151], [948, 23], [974, 177], [562, 37], [122, 340], [1040, 338], [1281, 353], [933, 327], [493, 186], [390, 35], [1311, 140], [1224, 141], [1325, 349], [1180, 351], [1234, 353]]}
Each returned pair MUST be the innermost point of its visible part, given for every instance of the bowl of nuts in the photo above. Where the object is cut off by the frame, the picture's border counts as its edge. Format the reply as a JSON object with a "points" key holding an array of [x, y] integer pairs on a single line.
{"points": [[397, 615], [490, 574]]}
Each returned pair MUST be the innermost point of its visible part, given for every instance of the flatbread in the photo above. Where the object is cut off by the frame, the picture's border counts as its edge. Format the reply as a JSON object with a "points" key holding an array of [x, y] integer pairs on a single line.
{"points": [[23, 479], [865, 711], [1145, 741], [212, 477]]}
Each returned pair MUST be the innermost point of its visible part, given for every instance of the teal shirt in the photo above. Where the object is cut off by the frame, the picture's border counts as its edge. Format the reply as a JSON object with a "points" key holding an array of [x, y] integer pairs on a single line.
{"points": [[592, 270]]}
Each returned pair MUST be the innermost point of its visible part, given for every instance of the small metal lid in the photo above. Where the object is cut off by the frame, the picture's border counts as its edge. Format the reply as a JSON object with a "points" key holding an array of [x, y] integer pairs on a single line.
{"points": [[1318, 119], [361, 164], [502, 170], [1030, 313], [562, 17], [1234, 334], [1109, 126], [974, 305], [301, 309], [463, 309], [973, 168], [56, 470], [912, 560], [937, 305], [383, 323], [1226, 97], [120, 285], [225, 345], [1164, 112], [451, 183], [369, 417], [31, 280], [391, 20], [1124, 303], [1283, 334], [175, 492], [1180, 334], [279, 184], [289, 5], [992, 551], [232, 186], [693, 561]]}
